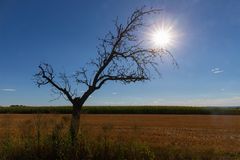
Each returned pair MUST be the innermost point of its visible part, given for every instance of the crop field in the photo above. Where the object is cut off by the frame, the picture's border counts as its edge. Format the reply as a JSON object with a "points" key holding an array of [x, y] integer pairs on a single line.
{"points": [[124, 110], [168, 136]]}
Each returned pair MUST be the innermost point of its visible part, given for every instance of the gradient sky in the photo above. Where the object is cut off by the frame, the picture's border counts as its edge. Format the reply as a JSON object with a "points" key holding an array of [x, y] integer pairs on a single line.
{"points": [[65, 34]]}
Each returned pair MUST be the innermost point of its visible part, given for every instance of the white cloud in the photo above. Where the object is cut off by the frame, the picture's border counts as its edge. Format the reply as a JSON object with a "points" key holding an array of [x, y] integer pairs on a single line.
{"points": [[158, 101], [217, 70], [114, 93], [8, 90]]}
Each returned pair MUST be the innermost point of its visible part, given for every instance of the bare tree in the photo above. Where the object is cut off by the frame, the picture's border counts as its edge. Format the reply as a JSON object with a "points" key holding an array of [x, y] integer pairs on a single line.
{"points": [[121, 57]]}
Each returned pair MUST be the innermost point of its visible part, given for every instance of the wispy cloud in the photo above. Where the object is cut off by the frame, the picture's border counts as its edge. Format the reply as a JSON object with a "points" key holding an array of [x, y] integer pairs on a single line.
{"points": [[9, 90], [158, 101], [217, 70], [114, 93]]}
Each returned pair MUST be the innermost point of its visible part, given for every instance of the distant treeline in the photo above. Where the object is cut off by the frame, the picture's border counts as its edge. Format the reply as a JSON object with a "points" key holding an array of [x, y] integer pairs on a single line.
{"points": [[124, 110]]}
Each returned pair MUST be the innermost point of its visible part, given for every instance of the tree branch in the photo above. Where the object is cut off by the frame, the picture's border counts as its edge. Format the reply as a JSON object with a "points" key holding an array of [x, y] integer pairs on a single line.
{"points": [[46, 75]]}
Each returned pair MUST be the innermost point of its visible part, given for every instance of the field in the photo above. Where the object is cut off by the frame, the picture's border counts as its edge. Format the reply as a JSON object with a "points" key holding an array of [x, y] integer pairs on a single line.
{"points": [[124, 110], [164, 136]]}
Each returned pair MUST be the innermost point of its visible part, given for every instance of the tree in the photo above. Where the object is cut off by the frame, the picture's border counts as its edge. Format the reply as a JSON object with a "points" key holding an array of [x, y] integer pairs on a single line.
{"points": [[121, 57]]}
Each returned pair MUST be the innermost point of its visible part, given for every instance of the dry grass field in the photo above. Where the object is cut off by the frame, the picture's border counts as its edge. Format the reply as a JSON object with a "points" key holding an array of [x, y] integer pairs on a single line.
{"points": [[198, 132]]}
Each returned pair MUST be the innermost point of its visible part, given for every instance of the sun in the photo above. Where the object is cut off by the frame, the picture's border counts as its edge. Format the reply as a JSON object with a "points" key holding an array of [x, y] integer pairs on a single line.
{"points": [[162, 37]]}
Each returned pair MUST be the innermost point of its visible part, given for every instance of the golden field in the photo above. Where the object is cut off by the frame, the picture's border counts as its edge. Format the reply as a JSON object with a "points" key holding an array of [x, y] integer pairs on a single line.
{"points": [[198, 132]]}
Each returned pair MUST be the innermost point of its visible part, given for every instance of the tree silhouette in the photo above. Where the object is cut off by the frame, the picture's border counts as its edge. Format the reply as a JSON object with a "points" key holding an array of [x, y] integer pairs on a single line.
{"points": [[121, 56]]}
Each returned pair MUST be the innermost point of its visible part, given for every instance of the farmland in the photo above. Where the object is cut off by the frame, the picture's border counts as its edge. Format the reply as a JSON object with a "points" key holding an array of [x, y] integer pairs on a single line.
{"points": [[124, 110], [167, 136]]}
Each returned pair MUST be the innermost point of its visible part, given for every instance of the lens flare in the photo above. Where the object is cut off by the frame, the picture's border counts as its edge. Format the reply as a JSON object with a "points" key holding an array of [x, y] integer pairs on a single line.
{"points": [[162, 37]]}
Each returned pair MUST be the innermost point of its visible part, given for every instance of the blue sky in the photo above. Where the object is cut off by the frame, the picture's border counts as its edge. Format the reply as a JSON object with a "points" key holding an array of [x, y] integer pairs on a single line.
{"points": [[65, 34]]}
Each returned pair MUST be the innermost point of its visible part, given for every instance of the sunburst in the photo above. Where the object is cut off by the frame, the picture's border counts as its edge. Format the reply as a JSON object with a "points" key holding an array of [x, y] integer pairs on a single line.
{"points": [[162, 37]]}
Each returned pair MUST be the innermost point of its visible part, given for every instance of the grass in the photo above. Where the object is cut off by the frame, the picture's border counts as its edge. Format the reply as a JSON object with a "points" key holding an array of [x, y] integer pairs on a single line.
{"points": [[33, 142], [125, 110], [45, 136]]}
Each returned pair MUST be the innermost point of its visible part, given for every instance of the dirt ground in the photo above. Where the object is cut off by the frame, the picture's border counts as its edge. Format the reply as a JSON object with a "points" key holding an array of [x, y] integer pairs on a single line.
{"points": [[220, 132]]}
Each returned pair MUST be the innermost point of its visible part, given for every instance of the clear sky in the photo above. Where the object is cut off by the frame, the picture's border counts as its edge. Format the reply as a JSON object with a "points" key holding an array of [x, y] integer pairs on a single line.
{"points": [[65, 34]]}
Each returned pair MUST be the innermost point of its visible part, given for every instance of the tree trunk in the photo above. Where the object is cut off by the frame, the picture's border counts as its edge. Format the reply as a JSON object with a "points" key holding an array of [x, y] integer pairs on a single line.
{"points": [[75, 123]]}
